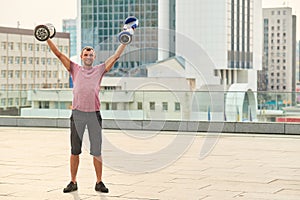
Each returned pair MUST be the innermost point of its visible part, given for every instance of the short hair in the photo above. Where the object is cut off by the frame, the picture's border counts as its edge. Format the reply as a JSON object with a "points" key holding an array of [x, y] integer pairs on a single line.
{"points": [[88, 48]]}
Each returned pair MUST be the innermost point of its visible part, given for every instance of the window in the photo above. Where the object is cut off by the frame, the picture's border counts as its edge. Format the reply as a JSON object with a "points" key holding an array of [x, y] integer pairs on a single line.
{"points": [[3, 45], [152, 105], [165, 106], [30, 47], [10, 60], [24, 74], [24, 46], [49, 61], [177, 106], [3, 102], [3, 59], [30, 60], [44, 104], [24, 60], [17, 60], [10, 101], [3, 73], [11, 46], [17, 73], [10, 74], [37, 74], [140, 105]]}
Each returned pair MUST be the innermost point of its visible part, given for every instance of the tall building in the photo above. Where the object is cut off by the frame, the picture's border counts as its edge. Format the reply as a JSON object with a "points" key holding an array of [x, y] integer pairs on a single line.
{"points": [[101, 21], [28, 64], [221, 41], [279, 72], [70, 26]]}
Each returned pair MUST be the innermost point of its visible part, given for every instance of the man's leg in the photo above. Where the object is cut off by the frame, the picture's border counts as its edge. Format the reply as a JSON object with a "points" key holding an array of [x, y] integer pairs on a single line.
{"points": [[77, 130], [74, 163], [98, 167], [95, 136]]}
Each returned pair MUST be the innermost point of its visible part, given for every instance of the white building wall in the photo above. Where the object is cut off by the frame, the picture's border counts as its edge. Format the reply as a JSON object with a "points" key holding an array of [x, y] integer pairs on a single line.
{"points": [[163, 29], [204, 22]]}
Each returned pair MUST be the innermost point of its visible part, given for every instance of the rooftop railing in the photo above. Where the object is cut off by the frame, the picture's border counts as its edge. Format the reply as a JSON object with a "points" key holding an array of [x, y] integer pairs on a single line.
{"points": [[239, 106]]}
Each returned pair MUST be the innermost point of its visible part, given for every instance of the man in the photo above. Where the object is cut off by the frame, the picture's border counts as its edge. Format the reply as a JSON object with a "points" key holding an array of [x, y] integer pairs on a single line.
{"points": [[86, 108]]}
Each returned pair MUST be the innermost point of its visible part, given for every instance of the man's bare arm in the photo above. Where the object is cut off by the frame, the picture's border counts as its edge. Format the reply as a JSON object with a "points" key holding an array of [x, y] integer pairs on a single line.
{"points": [[62, 57], [109, 63]]}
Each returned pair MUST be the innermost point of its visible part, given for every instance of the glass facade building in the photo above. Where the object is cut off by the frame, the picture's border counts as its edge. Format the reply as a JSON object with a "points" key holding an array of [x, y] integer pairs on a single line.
{"points": [[70, 26], [102, 21]]}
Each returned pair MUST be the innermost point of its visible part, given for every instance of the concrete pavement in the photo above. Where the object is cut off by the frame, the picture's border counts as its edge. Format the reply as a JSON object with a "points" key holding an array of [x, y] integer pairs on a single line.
{"points": [[34, 164]]}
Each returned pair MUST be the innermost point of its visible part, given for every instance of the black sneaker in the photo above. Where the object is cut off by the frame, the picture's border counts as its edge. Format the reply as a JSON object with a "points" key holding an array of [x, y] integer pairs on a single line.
{"points": [[100, 187], [70, 187]]}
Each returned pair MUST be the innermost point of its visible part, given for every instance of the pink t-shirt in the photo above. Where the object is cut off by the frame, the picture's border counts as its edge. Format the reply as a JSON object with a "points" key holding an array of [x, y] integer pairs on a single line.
{"points": [[86, 88]]}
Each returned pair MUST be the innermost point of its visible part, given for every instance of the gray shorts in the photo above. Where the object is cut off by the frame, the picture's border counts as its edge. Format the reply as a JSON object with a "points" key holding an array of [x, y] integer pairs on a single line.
{"points": [[79, 121]]}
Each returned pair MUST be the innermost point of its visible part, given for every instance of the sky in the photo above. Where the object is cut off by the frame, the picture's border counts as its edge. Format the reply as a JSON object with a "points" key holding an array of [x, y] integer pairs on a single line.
{"points": [[30, 13]]}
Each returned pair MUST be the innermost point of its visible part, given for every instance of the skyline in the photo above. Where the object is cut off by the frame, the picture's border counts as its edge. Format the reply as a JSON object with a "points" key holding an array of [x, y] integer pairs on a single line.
{"points": [[40, 13]]}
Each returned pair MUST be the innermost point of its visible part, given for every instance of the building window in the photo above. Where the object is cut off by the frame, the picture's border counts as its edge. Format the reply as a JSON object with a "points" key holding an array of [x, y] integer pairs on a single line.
{"points": [[24, 46], [44, 104], [17, 60], [24, 60], [3, 45], [3, 102], [152, 105], [24, 74], [49, 61], [17, 73], [114, 106], [140, 105], [3, 59], [165, 106], [10, 87], [30, 47], [177, 106], [30, 60], [3, 73], [11, 46], [10, 102], [37, 47], [10, 74], [10, 60]]}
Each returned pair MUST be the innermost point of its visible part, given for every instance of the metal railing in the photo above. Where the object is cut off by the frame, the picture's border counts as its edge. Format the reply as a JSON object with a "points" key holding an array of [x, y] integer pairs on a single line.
{"points": [[160, 105]]}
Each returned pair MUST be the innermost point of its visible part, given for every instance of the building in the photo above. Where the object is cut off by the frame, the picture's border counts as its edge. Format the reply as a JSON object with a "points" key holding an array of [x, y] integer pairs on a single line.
{"points": [[70, 26], [279, 72], [28, 64], [101, 22], [221, 42]]}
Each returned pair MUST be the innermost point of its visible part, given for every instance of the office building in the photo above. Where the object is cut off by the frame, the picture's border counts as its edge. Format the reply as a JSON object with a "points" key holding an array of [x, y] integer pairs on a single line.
{"points": [[101, 21], [221, 42], [279, 72], [70, 26], [28, 64]]}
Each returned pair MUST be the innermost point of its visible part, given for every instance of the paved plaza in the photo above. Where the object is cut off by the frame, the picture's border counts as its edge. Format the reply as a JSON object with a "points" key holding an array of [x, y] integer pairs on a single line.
{"points": [[34, 164]]}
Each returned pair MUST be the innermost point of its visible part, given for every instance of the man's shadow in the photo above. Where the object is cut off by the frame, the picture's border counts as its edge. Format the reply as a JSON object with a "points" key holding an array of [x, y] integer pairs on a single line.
{"points": [[77, 197]]}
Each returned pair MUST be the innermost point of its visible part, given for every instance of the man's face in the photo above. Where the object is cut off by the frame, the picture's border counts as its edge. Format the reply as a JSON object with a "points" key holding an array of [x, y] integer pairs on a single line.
{"points": [[88, 56]]}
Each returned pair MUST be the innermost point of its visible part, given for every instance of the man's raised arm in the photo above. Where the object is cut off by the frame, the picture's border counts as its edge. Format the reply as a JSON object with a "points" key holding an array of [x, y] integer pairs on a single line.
{"points": [[62, 57]]}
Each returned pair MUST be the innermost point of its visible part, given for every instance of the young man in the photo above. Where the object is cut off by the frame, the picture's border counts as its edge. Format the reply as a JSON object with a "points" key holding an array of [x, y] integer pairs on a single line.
{"points": [[86, 108]]}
